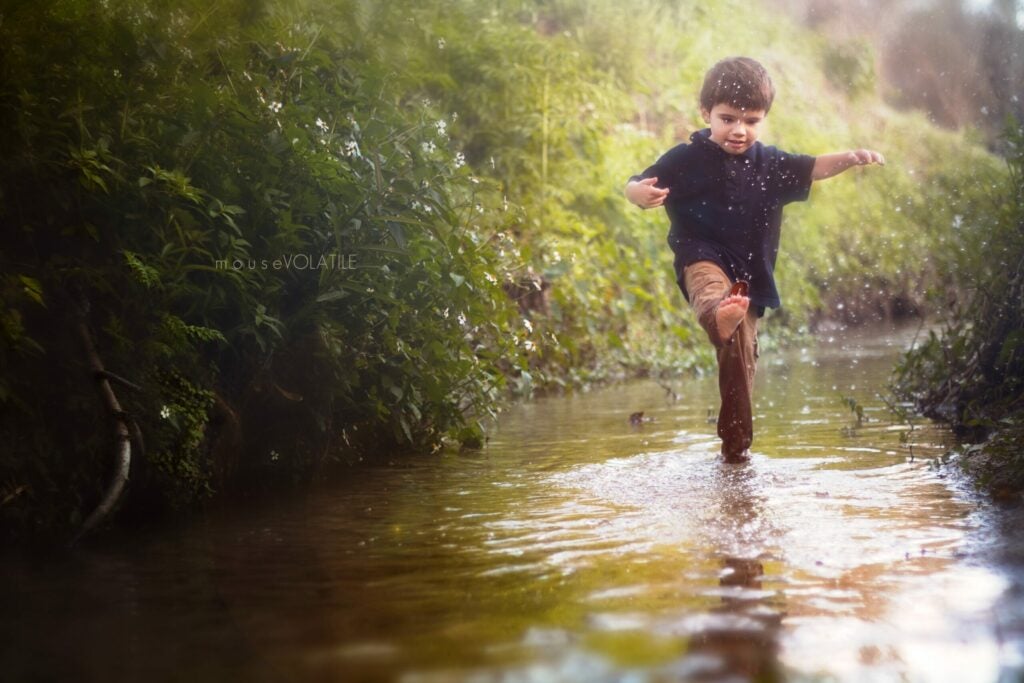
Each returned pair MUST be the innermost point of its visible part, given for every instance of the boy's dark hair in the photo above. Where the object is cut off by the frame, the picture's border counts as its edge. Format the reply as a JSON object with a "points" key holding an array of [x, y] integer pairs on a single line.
{"points": [[740, 82]]}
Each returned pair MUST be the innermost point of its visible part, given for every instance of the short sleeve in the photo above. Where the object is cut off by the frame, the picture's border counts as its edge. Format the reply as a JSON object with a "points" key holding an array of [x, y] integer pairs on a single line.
{"points": [[792, 176], [664, 169]]}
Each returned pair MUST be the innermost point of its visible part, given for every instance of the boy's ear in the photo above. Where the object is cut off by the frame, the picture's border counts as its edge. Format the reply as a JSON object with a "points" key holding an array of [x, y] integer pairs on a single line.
{"points": [[705, 114]]}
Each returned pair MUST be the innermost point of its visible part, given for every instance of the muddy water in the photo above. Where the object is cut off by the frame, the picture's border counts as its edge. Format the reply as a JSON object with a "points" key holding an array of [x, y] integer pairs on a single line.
{"points": [[575, 547]]}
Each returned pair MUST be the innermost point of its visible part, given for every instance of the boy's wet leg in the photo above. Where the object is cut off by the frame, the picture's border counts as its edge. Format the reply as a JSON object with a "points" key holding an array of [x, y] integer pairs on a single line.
{"points": [[707, 286], [737, 363]]}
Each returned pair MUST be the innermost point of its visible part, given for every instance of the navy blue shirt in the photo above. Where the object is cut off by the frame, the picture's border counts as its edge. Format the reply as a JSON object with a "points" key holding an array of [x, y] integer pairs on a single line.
{"points": [[727, 208]]}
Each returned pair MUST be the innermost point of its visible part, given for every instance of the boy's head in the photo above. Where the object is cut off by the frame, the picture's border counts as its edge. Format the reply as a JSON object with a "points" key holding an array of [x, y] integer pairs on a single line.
{"points": [[736, 97], [740, 82]]}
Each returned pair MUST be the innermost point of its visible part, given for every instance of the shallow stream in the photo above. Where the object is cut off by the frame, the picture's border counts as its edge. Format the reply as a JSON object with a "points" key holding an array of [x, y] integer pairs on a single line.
{"points": [[575, 547]]}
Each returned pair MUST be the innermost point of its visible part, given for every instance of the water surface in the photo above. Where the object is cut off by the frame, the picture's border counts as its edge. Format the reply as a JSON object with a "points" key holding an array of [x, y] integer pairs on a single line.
{"points": [[574, 547]]}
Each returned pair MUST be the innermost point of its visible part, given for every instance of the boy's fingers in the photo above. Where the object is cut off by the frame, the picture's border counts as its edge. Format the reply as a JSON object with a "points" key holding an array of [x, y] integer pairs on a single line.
{"points": [[648, 181]]}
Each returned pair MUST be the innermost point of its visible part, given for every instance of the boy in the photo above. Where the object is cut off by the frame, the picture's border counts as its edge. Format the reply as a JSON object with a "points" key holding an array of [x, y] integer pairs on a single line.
{"points": [[724, 194]]}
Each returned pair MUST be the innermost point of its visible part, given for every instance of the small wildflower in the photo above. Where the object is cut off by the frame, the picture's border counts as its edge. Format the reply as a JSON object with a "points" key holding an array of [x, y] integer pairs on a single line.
{"points": [[529, 345], [442, 127], [444, 313], [351, 149], [320, 124], [275, 107], [460, 160], [528, 325], [462, 319], [473, 179], [490, 278], [441, 43], [165, 412], [429, 147], [479, 209]]}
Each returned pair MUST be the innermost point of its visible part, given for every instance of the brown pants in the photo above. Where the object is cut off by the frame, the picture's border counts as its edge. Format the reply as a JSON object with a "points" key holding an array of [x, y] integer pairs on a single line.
{"points": [[706, 286]]}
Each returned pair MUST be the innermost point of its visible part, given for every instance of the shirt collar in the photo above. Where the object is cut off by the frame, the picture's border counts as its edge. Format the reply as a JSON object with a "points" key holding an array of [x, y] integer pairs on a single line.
{"points": [[703, 138]]}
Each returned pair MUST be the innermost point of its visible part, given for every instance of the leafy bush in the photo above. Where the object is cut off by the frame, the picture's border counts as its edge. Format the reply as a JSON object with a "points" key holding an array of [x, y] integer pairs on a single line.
{"points": [[275, 228], [972, 373]]}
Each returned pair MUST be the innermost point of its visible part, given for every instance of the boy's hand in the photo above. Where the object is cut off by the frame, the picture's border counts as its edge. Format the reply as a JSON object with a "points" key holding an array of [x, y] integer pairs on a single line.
{"points": [[863, 157], [644, 194], [828, 165]]}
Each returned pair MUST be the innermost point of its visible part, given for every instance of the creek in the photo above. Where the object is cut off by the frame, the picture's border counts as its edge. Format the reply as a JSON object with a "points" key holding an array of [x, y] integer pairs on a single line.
{"points": [[575, 546]]}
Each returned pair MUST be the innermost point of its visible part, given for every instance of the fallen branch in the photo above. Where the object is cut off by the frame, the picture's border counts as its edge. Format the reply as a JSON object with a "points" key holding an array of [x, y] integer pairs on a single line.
{"points": [[123, 455]]}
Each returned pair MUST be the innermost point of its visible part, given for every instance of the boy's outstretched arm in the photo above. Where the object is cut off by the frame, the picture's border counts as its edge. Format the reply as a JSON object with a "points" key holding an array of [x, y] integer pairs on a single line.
{"points": [[644, 194], [828, 165]]}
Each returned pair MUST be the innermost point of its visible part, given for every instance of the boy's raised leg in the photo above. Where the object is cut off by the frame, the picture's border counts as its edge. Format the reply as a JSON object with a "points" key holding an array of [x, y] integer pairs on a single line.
{"points": [[732, 328]]}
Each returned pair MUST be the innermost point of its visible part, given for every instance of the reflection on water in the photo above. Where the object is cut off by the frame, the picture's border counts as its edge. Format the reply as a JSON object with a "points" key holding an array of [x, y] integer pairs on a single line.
{"points": [[576, 547]]}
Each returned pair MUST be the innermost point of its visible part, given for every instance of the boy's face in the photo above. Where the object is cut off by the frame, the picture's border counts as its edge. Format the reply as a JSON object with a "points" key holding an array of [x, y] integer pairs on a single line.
{"points": [[732, 129]]}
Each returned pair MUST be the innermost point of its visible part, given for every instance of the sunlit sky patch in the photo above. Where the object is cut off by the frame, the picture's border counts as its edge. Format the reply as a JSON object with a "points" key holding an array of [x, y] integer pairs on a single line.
{"points": [[984, 5]]}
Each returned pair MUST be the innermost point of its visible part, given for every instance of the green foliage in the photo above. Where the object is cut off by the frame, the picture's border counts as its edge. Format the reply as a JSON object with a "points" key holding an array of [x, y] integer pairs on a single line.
{"points": [[971, 374], [245, 200], [850, 67]]}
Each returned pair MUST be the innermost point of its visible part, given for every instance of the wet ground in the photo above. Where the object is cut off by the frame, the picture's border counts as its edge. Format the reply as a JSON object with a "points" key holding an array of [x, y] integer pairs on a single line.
{"points": [[575, 547]]}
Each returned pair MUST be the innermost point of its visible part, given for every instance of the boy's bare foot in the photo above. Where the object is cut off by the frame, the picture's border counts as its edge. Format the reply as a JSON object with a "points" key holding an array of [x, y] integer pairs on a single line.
{"points": [[729, 315]]}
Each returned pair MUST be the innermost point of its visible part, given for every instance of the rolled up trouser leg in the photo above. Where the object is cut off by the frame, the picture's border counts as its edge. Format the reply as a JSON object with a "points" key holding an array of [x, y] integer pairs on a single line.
{"points": [[706, 284]]}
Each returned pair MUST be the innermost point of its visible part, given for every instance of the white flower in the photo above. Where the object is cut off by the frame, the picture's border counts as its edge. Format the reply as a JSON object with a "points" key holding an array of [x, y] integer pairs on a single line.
{"points": [[462, 319], [429, 147], [440, 43], [320, 124], [460, 160], [165, 412], [490, 278], [529, 345], [351, 148], [275, 107], [445, 312], [528, 325], [442, 127]]}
